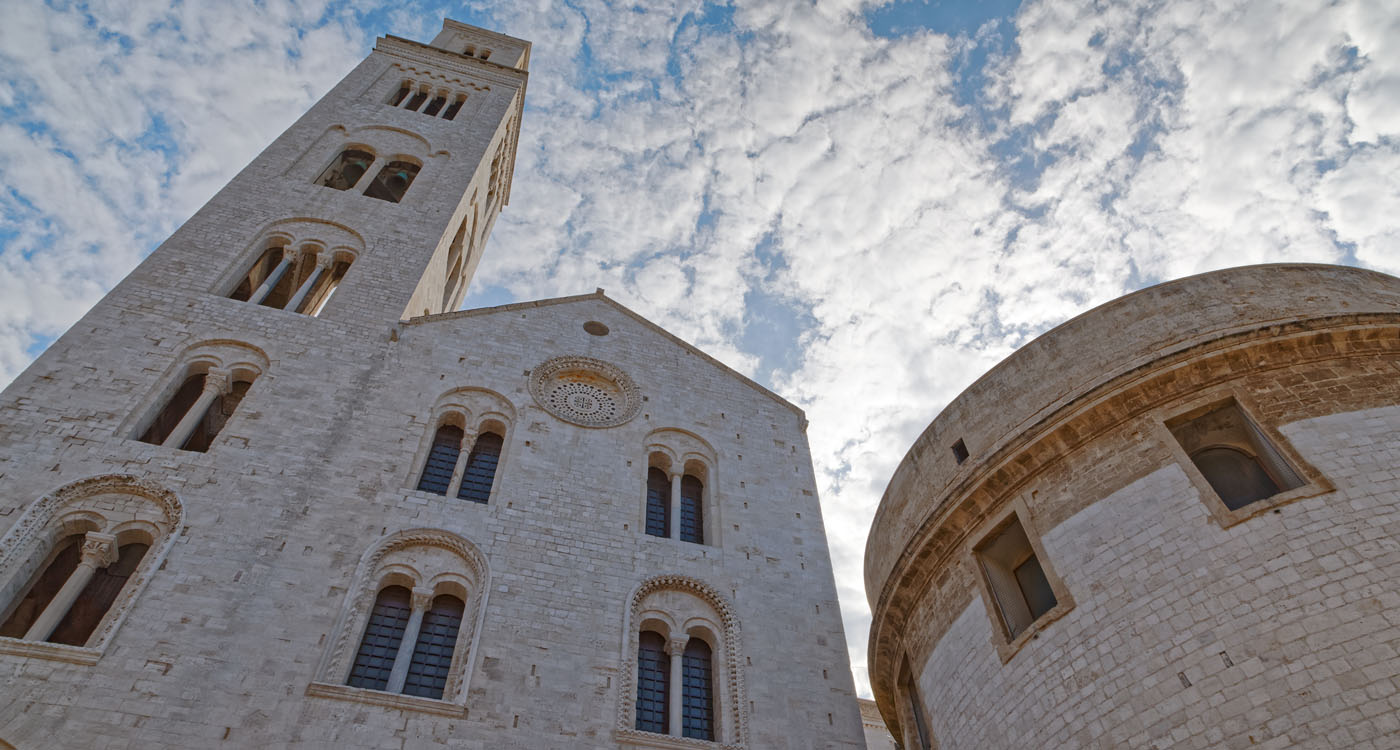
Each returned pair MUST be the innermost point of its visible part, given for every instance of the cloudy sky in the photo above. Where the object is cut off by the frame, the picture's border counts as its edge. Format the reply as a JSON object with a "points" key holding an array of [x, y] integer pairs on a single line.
{"points": [[863, 206]]}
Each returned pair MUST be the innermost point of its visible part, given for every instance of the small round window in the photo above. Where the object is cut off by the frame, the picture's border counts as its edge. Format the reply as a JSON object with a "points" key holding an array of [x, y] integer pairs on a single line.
{"points": [[595, 328]]}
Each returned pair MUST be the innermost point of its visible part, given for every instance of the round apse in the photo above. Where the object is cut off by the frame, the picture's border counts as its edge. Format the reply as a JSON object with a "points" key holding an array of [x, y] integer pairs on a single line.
{"points": [[585, 391]]}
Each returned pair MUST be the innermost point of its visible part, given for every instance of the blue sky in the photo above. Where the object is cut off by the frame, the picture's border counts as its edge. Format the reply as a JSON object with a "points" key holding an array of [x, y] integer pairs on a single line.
{"points": [[862, 205]]}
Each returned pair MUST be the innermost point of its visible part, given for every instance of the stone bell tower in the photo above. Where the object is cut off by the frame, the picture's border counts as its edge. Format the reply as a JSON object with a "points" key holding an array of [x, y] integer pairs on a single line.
{"points": [[275, 490]]}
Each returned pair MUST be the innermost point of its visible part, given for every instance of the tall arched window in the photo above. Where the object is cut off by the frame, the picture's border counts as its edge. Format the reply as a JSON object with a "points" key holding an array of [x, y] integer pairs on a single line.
{"points": [[407, 626], [432, 656], [697, 691], [653, 680], [65, 603], [692, 510], [480, 471], [442, 460], [658, 503], [199, 409]]}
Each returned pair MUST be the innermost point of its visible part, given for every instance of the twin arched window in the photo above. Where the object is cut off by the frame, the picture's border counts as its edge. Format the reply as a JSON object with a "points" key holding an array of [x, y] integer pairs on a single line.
{"points": [[671, 675], [196, 412], [352, 166], [413, 96], [675, 505], [461, 465], [76, 558], [408, 642]]}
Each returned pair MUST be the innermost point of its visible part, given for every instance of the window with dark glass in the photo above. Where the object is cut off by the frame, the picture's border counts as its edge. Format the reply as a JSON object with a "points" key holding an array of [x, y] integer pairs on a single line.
{"points": [[658, 502], [383, 634], [480, 471], [692, 512], [432, 654], [442, 460], [392, 181], [347, 169], [697, 693], [1015, 577], [1234, 455], [916, 712], [653, 670]]}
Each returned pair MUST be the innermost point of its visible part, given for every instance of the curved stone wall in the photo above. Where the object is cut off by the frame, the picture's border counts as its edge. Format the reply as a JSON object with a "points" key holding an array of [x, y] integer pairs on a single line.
{"points": [[1179, 623]]}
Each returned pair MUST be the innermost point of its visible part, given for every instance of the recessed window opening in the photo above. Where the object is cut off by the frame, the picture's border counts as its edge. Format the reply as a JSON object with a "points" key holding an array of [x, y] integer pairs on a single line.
{"points": [[692, 510], [67, 600], [960, 451], [435, 105], [470, 51], [419, 97], [916, 710], [658, 503], [653, 684], [347, 169], [480, 472], [1236, 458], [455, 107], [442, 460], [697, 693], [408, 643], [1015, 576], [392, 181], [401, 94], [198, 410]]}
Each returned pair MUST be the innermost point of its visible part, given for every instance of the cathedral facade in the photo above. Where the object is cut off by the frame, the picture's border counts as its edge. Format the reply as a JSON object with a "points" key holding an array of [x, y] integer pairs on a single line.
{"points": [[1170, 522], [273, 490]]}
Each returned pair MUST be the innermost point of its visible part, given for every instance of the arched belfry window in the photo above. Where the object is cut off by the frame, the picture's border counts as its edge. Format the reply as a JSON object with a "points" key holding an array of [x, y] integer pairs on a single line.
{"points": [[73, 564], [678, 500], [297, 277], [393, 181], [407, 626], [683, 677], [207, 396], [345, 172], [463, 458]]}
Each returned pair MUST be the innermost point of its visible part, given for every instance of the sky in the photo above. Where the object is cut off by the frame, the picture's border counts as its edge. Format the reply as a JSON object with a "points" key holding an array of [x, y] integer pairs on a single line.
{"points": [[862, 205]]}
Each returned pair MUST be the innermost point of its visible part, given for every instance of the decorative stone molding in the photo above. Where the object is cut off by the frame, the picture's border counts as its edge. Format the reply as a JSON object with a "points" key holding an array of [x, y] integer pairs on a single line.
{"points": [[468, 568], [731, 707], [585, 391], [101, 505]]}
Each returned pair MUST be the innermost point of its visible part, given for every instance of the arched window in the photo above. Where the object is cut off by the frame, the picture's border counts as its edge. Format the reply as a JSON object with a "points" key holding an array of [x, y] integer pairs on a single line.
{"points": [[392, 181], [347, 169], [1236, 476], [685, 680], [653, 680], [697, 691], [480, 471], [432, 656], [435, 105], [419, 97], [658, 502], [406, 630], [442, 460], [76, 559], [692, 510], [397, 98], [456, 107], [199, 408], [300, 280]]}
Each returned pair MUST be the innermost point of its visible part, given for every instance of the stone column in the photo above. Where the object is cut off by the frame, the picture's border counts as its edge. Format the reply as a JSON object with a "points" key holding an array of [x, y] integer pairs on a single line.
{"points": [[324, 262], [675, 506], [675, 648], [422, 598], [216, 383], [259, 294], [460, 469], [99, 551]]}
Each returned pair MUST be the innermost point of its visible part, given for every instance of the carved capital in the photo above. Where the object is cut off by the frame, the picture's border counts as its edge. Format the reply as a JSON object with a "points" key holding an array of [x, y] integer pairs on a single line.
{"points": [[217, 380], [675, 645], [422, 598], [99, 550], [325, 260], [289, 254]]}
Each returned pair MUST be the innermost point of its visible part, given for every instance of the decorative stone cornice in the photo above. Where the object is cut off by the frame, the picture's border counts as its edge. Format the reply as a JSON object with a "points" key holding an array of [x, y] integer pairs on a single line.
{"points": [[1080, 418]]}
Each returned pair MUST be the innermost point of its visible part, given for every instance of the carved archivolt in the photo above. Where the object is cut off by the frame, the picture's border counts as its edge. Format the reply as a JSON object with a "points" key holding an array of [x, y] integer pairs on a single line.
{"points": [[585, 391], [730, 692], [111, 504], [430, 558]]}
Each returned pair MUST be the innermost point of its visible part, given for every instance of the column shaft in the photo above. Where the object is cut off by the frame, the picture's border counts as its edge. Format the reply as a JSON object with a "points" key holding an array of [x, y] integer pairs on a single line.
{"points": [[404, 657]]}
